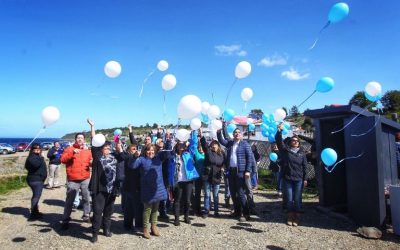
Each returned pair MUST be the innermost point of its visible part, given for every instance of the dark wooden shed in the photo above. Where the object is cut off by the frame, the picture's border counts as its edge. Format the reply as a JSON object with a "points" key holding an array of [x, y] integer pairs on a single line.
{"points": [[356, 186]]}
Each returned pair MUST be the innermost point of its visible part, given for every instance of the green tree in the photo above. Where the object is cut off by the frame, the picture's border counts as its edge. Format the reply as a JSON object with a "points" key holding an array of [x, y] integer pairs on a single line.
{"points": [[294, 111], [256, 113], [359, 99], [391, 100], [307, 124], [155, 125]]}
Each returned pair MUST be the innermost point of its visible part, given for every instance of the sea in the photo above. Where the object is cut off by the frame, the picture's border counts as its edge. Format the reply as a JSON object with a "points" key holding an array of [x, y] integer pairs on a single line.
{"points": [[15, 141]]}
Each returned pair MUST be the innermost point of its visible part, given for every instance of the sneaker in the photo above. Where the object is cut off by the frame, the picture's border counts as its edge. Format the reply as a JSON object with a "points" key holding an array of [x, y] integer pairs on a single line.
{"points": [[177, 222], [216, 214], [204, 215], [242, 219]]}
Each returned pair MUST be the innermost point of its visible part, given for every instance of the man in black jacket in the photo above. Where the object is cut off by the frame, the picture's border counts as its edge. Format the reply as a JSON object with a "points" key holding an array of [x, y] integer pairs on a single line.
{"points": [[54, 156], [239, 164]]}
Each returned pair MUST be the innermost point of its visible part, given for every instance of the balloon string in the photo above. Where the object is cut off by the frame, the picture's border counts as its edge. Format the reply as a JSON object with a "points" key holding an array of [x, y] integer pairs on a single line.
{"points": [[230, 89], [334, 132], [212, 96], [348, 158], [376, 123], [36, 136], [145, 80], [164, 106], [307, 98], [319, 34], [245, 107]]}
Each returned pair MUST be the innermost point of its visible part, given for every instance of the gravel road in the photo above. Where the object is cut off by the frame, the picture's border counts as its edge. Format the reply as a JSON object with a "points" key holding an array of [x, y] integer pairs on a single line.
{"points": [[267, 230]]}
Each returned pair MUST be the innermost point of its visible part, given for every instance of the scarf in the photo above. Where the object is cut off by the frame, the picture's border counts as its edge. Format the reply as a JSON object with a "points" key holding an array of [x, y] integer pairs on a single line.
{"points": [[109, 164]]}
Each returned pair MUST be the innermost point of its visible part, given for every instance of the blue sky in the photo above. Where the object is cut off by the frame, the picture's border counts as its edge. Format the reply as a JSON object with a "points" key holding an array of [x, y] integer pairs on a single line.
{"points": [[53, 53]]}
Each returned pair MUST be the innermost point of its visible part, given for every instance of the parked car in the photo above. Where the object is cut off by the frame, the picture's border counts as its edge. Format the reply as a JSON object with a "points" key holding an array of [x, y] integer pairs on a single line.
{"points": [[23, 146], [65, 144], [46, 145], [6, 148]]}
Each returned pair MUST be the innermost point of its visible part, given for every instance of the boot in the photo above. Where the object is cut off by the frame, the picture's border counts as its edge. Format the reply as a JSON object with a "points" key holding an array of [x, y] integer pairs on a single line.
{"points": [[35, 214], [94, 238], [107, 231], [296, 218], [290, 219], [187, 220], [154, 230], [227, 204], [146, 233], [176, 221]]}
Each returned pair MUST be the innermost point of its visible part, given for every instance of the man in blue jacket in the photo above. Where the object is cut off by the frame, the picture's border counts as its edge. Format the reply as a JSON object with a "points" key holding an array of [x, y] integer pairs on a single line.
{"points": [[239, 163]]}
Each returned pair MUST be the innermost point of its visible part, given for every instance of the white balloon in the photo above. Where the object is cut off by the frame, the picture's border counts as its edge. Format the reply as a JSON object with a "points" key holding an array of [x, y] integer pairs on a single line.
{"points": [[279, 114], [168, 82], [216, 124], [112, 69], [50, 115], [189, 107], [247, 94], [195, 123], [183, 134], [162, 65], [204, 107], [98, 140], [213, 112], [242, 69], [373, 89]]}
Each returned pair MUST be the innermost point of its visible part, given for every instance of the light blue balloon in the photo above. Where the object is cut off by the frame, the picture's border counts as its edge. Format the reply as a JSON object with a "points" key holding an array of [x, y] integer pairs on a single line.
{"points": [[252, 127], [286, 125], [373, 98], [271, 138], [228, 115], [328, 156], [118, 132], [265, 118], [284, 131], [338, 12], [264, 126], [273, 157], [204, 118], [325, 84], [271, 118], [265, 133], [230, 128]]}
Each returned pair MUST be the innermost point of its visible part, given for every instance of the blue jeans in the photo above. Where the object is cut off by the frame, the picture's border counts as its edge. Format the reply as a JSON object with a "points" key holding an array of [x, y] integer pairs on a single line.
{"points": [[37, 188], [207, 198], [278, 176], [292, 194], [254, 179]]}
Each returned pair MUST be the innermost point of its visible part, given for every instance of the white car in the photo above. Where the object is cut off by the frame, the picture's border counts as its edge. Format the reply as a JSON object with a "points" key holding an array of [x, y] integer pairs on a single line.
{"points": [[6, 148]]}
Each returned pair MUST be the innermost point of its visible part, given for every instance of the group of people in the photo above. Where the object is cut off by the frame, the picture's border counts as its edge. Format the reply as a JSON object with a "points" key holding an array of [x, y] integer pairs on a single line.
{"points": [[165, 174]]}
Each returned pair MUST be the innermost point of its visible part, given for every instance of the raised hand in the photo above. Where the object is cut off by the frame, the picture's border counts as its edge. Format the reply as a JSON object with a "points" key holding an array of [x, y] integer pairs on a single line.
{"points": [[90, 121]]}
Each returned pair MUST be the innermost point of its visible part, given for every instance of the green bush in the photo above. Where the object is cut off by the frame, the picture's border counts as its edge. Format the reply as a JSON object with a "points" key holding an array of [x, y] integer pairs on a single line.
{"points": [[8, 184]]}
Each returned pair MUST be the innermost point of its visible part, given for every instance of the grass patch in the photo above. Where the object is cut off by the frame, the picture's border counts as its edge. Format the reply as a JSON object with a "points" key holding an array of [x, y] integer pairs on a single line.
{"points": [[8, 184], [267, 181]]}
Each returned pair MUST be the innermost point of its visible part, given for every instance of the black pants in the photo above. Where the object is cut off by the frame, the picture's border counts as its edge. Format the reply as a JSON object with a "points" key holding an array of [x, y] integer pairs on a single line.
{"points": [[237, 187], [133, 210], [196, 203], [37, 188], [182, 193], [103, 207]]}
